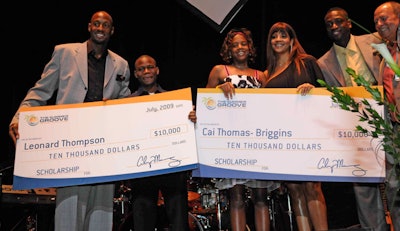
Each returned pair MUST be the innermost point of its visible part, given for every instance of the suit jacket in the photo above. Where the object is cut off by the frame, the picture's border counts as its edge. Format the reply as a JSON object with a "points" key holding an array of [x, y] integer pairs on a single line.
{"points": [[330, 65], [396, 84], [67, 74]]}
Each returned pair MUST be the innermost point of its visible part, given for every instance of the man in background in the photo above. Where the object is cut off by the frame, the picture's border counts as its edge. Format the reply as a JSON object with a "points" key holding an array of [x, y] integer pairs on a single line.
{"points": [[387, 24], [356, 52]]}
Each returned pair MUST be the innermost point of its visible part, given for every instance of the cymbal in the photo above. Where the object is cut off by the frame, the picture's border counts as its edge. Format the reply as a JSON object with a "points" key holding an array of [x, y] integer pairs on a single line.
{"points": [[193, 196]]}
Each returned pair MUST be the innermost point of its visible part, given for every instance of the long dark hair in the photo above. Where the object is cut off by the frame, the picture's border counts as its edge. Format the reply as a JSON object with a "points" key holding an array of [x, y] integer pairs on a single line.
{"points": [[297, 52]]}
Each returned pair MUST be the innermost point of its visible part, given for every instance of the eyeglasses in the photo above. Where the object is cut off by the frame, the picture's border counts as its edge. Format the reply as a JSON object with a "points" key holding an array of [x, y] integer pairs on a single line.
{"points": [[143, 68]]}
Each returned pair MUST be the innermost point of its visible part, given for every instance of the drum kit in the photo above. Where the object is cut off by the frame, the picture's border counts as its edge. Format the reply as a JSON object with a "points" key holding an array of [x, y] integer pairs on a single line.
{"points": [[207, 205], [208, 208]]}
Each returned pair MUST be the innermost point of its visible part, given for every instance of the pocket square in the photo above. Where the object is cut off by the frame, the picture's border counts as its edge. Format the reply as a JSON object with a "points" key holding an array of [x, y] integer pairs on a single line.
{"points": [[120, 78]]}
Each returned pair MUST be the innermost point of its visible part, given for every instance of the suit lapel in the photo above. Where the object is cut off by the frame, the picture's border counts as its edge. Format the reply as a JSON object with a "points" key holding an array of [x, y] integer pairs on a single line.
{"points": [[82, 63], [334, 67], [110, 68], [366, 49]]}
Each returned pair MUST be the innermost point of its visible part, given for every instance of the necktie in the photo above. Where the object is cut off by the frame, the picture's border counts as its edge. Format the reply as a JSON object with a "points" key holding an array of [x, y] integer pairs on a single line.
{"points": [[353, 62]]}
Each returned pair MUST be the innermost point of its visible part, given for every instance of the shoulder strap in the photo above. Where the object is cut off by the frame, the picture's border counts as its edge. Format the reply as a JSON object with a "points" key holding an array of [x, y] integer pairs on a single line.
{"points": [[226, 69]]}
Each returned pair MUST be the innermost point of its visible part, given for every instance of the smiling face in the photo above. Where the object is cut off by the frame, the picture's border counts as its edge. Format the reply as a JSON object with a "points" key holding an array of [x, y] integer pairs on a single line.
{"points": [[238, 40], [281, 42], [338, 27], [239, 48], [101, 27], [146, 71], [386, 21]]}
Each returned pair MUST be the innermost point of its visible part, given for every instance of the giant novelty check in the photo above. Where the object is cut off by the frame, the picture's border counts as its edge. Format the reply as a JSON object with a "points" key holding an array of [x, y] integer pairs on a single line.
{"points": [[278, 134], [95, 142]]}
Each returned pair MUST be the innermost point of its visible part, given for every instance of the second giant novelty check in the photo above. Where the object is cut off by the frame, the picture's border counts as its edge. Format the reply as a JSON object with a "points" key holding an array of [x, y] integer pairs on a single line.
{"points": [[95, 142], [278, 134]]}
